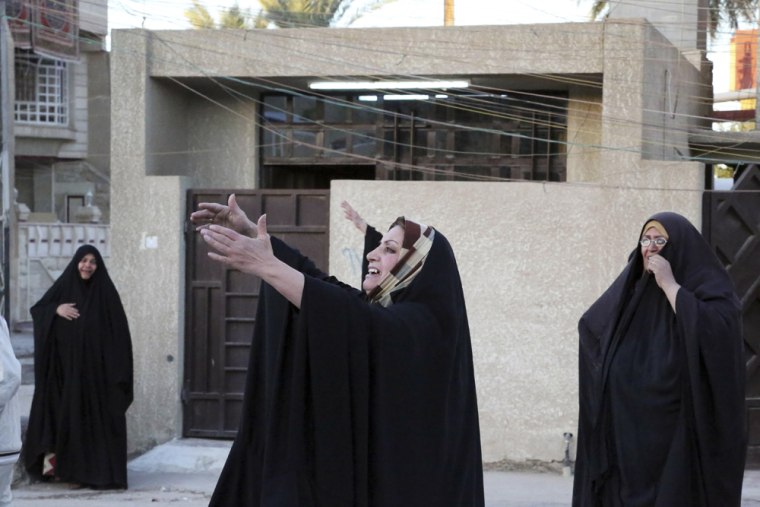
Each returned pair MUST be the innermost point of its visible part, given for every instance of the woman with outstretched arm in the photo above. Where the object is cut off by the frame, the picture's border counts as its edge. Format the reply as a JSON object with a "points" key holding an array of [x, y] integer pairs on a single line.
{"points": [[353, 398]]}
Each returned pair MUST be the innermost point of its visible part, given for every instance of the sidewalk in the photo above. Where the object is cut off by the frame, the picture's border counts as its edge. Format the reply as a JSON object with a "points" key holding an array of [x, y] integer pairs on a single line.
{"points": [[184, 472], [179, 472]]}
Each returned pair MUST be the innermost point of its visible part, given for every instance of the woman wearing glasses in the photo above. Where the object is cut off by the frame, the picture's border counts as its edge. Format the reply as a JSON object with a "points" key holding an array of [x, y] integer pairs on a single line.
{"points": [[662, 379]]}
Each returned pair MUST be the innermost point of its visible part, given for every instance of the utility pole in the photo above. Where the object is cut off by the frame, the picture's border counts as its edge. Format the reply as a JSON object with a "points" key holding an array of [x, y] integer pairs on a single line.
{"points": [[448, 12]]}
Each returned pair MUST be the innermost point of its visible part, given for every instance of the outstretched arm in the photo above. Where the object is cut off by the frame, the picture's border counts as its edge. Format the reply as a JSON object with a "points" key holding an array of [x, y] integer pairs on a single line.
{"points": [[371, 236], [254, 256], [354, 217], [230, 216]]}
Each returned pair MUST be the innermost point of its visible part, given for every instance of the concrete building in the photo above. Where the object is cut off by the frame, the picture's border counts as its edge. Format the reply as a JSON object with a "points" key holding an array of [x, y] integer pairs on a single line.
{"points": [[61, 123], [190, 112]]}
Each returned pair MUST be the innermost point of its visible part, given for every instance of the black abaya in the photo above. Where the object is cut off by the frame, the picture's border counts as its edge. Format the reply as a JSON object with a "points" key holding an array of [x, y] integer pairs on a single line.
{"points": [[662, 393], [354, 404], [83, 380]]}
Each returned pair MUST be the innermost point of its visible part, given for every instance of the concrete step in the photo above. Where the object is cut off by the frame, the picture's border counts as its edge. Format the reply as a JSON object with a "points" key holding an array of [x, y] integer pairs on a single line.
{"points": [[27, 370], [23, 344]]}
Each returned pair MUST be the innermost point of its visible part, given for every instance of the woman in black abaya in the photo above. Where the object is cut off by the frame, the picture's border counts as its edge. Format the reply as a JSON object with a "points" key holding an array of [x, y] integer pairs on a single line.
{"points": [[77, 429], [352, 399], [662, 379]]}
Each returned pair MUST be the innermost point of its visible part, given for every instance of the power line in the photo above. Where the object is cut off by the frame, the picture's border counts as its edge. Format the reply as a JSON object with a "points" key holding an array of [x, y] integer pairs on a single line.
{"points": [[475, 105]]}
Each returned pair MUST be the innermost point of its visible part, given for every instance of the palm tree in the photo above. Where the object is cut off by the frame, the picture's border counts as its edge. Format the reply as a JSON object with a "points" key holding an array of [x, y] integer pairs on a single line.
{"points": [[199, 17], [301, 13], [234, 17], [731, 11], [283, 14]]}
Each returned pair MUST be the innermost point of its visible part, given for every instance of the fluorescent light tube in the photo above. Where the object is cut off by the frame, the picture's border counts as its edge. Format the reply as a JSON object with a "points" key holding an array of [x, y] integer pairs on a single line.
{"points": [[388, 85], [411, 96]]}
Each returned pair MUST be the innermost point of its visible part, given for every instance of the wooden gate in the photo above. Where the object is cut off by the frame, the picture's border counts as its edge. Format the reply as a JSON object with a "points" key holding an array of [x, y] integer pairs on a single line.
{"points": [[731, 223], [221, 304]]}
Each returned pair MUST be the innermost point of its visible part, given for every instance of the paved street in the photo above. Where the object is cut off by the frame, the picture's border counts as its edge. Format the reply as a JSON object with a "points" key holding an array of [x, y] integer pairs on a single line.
{"points": [[184, 473]]}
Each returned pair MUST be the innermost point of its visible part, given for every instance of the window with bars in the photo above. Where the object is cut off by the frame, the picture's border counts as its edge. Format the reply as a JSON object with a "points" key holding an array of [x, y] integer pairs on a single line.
{"points": [[42, 90]]}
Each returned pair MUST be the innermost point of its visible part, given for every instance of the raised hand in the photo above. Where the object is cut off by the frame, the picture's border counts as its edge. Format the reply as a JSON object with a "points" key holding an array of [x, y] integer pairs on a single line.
{"points": [[351, 214], [244, 253], [254, 255], [230, 216]]}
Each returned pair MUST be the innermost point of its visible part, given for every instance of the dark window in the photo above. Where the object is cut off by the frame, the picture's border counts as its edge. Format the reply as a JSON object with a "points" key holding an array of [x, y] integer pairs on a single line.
{"points": [[305, 110], [452, 137]]}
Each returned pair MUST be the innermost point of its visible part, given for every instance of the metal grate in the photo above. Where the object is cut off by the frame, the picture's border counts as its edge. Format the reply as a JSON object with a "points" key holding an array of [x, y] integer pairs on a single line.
{"points": [[42, 96]]}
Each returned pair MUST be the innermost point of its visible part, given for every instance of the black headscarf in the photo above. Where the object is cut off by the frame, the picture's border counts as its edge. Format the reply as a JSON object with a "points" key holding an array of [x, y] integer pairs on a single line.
{"points": [[662, 393], [352, 404], [83, 380]]}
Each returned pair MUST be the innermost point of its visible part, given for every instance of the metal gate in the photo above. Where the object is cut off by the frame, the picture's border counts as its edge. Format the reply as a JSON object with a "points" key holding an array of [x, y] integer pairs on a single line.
{"points": [[731, 223], [221, 304]]}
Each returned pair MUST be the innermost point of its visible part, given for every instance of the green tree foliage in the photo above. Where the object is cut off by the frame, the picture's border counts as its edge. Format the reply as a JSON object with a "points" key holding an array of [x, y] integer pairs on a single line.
{"points": [[282, 14], [303, 13], [721, 11], [723, 171], [199, 17], [234, 18]]}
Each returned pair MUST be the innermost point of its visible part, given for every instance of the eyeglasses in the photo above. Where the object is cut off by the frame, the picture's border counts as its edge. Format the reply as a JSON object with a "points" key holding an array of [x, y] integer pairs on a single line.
{"points": [[645, 242]]}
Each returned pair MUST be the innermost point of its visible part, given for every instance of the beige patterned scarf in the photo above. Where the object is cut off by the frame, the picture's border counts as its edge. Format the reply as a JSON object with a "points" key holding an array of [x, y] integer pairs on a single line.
{"points": [[418, 238]]}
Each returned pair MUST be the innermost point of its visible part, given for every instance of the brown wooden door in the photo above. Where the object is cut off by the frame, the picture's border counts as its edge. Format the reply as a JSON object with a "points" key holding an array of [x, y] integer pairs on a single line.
{"points": [[220, 306], [731, 223]]}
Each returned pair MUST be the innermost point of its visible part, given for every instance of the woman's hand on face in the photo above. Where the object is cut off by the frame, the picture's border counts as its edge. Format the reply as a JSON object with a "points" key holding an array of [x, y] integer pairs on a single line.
{"points": [[230, 216], [246, 254], [351, 214], [68, 311], [660, 268], [663, 275]]}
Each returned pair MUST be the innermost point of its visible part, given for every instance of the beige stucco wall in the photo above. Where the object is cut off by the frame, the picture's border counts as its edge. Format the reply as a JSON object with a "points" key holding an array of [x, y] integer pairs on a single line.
{"points": [[532, 258], [572, 48], [532, 255]]}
